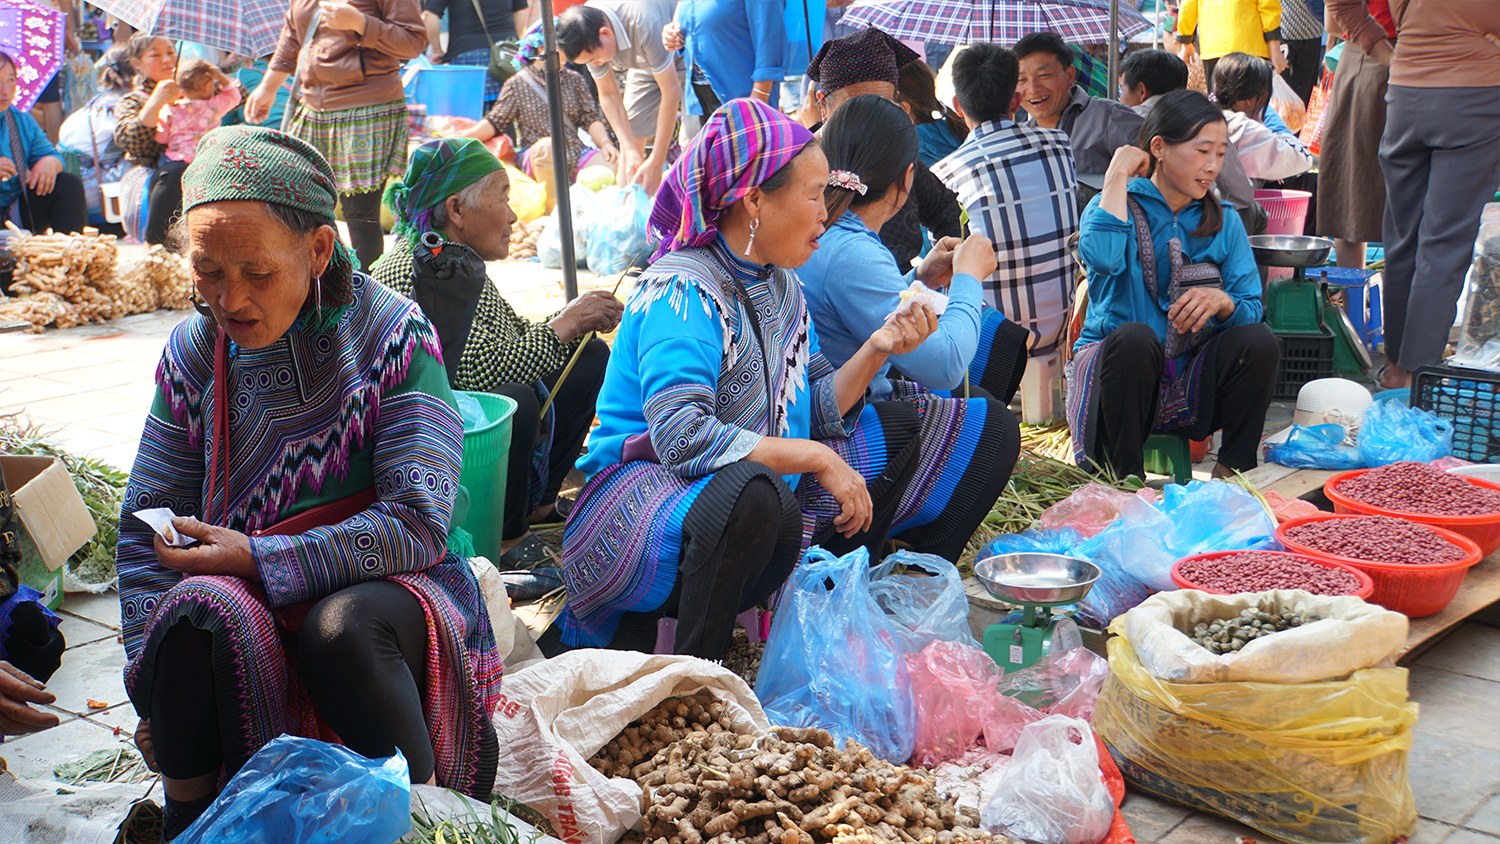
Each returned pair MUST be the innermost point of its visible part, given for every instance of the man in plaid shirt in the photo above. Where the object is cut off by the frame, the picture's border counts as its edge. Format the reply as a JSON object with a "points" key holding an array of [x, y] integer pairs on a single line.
{"points": [[1019, 186]]}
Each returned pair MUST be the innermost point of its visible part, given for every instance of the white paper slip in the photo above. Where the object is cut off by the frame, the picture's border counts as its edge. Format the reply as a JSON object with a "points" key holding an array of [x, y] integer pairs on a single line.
{"points": [[919, 292], [160, 520]]}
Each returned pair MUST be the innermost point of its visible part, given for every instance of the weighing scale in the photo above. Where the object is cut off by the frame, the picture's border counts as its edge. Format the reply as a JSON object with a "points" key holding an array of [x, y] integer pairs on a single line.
{"points": [[1037, 583], [1298, 305]]}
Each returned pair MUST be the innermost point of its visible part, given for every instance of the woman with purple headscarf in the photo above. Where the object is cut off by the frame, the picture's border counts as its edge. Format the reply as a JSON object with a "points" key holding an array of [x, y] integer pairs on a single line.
{"points": [[727, 444]]}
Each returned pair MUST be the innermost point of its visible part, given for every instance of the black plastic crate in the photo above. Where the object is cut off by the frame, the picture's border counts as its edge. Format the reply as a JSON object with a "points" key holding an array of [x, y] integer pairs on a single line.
{"points": [[1470, 399], [1304, 358]]}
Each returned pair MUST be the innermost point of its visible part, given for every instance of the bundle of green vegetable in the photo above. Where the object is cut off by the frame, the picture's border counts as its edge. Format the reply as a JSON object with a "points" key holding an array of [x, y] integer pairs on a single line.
{"points": [[471, 829], [101, 485]]}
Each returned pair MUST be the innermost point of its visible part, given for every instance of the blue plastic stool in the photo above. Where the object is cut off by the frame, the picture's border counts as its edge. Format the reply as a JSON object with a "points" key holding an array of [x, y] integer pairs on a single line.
{"points": [[1169, 454], [1363, 296]]}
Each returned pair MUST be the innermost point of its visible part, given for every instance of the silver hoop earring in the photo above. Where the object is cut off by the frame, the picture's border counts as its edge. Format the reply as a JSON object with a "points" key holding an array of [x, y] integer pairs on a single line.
{"points": [[754, 224]]}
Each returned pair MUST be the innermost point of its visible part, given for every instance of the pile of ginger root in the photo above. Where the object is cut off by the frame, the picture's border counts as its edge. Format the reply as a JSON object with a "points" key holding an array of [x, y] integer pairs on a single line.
{"points": [[706, 783]]}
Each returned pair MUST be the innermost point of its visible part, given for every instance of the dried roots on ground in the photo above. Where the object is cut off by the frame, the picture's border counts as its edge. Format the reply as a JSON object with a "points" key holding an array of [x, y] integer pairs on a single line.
{"points": [[706, 784], [63, 280]]}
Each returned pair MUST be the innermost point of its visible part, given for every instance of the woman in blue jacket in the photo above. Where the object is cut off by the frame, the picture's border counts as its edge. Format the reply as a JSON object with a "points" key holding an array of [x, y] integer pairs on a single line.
{"points": [[852, 285], [734, 49], [31, 172], [1149, 361]]}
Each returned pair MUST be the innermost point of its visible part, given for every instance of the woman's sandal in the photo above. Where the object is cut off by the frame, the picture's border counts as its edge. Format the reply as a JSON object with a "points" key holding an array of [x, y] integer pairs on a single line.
{"points": [[525, 555]]}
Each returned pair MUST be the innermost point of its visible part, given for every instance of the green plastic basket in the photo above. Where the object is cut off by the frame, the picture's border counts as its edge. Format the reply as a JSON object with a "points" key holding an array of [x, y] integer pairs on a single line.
{"points": [[486, 451]]}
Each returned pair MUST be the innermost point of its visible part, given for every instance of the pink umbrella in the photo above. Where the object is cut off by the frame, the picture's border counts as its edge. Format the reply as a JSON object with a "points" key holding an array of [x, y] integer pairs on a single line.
{"points": [[32, 35]]}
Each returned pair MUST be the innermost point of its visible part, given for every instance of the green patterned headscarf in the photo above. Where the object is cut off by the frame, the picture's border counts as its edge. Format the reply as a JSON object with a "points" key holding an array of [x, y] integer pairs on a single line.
{"points": [[236, 163], [438, 170]]}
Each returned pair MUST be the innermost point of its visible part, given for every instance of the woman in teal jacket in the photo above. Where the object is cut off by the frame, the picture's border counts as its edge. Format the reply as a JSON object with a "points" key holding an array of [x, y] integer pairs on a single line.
{"points": [[1123, 385]]}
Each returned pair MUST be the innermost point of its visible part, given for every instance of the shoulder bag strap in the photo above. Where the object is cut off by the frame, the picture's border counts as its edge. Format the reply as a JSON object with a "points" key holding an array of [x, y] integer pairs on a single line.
{"points": [[218, 443], [484, 26], [1144, 245]]}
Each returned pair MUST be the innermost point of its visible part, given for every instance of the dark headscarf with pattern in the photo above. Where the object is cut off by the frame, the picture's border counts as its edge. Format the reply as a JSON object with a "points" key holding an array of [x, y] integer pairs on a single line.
{"points": [[868, 55], [238, 163]]}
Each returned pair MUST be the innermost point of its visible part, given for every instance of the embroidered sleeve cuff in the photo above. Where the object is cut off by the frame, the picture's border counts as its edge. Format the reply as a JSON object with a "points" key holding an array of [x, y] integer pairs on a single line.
{"points": [[827, 422], [280, 570]]}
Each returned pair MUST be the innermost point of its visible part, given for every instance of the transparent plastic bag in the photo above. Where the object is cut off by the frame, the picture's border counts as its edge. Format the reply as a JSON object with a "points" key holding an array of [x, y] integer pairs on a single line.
{"points": [[1316, 447], [833, 661], [301, 789], [1287, 104], [1479, 341], [585, 204], [953, 687], [1307, 763], [1052, 791], [922, 609], [1090, 509], [1393, 432], [1065, 683], [1191, 519], [621, 236]]}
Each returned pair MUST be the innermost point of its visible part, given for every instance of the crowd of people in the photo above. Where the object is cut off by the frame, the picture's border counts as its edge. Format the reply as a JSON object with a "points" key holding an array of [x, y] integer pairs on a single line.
{"points": [[822, 350]]}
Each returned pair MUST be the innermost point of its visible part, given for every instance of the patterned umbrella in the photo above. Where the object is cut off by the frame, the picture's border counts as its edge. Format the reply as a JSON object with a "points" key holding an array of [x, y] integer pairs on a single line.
{"points": [[246, 27], [32, 35], [997, 21]]}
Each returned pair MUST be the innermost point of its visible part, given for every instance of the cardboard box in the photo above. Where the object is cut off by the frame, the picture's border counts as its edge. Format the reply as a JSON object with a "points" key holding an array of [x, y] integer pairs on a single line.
{"points": [[52, 515]]}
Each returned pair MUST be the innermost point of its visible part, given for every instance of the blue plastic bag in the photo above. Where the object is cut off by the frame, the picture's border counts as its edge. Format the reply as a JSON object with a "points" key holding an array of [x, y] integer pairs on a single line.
{"points": [[1393, 432], [922, 610], [1316, 447], [1114, 593], [1193, 519], [833, 660], [621, 235], [305, 790]]}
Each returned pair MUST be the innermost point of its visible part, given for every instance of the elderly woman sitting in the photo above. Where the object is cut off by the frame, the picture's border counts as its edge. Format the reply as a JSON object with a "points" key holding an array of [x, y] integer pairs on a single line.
{"points": [[307, 438], [455, 196]]}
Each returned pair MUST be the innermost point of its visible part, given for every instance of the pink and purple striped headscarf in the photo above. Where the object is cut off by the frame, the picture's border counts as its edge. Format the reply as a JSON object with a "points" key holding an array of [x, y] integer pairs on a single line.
{"points": [[741, 146]]}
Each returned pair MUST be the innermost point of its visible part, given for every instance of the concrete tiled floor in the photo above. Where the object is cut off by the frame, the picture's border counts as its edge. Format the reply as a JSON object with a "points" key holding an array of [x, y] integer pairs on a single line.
{"points": [[92, 385]]}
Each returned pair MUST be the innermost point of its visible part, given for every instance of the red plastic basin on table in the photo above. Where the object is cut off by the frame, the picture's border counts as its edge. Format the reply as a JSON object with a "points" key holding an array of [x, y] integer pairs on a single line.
{"points": [[1413, 590], [1483, 529], [1366, 583]]}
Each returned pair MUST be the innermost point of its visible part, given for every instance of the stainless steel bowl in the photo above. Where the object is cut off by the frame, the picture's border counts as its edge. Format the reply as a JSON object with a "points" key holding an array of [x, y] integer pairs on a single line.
{"points": [[1037, 578], [1290, 250]]}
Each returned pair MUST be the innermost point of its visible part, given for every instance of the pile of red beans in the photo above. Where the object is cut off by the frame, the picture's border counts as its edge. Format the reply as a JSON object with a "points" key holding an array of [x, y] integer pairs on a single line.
{"points": [[1418, 488], [1257, 571], [1379, 539]]}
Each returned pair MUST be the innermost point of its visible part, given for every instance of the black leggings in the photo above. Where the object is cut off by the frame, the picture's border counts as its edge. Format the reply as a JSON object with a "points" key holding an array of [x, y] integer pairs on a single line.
{"points": [[65, 209], [361, 653], [164, 200], [573, 409], [1237, 388], [362, 214], [32, 644]]}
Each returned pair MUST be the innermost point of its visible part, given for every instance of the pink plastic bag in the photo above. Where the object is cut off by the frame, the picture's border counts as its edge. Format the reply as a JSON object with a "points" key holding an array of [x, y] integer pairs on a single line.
{"points": [[1066, 683], [953, 685], [1090, 509]]}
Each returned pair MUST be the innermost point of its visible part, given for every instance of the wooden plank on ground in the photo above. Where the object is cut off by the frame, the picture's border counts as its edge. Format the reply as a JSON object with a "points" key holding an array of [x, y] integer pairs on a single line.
{"points": [[1266, 474], [9, 325], [1481, 588]]}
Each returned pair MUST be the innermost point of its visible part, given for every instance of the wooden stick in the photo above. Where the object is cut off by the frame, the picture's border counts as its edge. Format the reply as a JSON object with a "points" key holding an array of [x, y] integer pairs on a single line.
{"points": [[551, 394]]}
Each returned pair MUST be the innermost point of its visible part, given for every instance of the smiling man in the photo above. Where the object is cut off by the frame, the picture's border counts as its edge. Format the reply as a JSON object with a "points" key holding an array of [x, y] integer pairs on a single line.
{"points": [[1096, 127], [625, 36]]}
